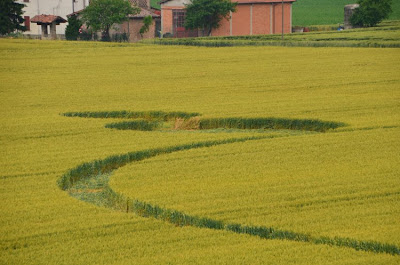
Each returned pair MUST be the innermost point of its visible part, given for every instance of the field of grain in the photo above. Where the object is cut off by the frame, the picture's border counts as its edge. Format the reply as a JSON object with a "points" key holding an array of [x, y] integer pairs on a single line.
{"points": [[385, 35], [338, 187]]}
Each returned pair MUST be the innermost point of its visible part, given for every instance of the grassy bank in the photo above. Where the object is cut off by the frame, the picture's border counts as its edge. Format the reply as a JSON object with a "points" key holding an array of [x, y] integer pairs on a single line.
{"points": [[386, 35]]}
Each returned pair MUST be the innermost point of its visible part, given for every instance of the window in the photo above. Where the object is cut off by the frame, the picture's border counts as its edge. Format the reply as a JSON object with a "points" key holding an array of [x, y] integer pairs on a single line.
{"points": [[179, 18], [27, 22]]}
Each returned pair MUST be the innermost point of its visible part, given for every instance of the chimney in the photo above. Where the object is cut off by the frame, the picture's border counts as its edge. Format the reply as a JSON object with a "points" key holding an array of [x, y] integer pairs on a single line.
{"points": [[141, 3], [348, 12]]}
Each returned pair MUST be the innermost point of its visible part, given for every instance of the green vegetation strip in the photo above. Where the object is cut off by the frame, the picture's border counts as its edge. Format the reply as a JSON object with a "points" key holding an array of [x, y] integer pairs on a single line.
{"points": [[89, 182], [134, 125], [268, 123], [150, 115], [386, 35], [193, 122]]}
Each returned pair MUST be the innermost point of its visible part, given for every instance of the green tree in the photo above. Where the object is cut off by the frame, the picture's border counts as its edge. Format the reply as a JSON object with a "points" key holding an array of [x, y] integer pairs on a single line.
{"points": [[72, 29], [11, 16], [102, 14], [371, 12], [207, 14]]}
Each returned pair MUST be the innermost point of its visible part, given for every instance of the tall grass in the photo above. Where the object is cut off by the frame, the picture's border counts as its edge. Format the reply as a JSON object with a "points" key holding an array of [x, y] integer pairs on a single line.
{"points": [[269, 123], [204, 124], [140, 125], [111, 199], [41, 224], [158, 115]]}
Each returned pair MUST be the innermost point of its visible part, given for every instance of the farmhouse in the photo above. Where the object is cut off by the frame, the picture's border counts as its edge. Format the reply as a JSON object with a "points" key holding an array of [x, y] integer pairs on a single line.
{"points": [[58, 8], [131, 27], [251, 17]]}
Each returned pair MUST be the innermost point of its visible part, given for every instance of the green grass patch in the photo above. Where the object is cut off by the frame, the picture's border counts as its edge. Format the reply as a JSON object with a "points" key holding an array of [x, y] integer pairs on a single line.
{"points": [[184, 121], [321, 12], [268, 123], [158, 115]]}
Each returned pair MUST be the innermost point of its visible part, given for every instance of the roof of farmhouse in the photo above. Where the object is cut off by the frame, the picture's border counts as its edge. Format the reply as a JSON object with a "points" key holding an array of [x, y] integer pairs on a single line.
{"points": [[143, 13], [47, 19]]}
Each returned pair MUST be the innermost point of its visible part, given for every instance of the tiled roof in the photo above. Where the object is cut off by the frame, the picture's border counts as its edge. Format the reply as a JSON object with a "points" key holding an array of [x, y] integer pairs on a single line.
{"points": [[47, 19], [75, 13], [144, 13]]}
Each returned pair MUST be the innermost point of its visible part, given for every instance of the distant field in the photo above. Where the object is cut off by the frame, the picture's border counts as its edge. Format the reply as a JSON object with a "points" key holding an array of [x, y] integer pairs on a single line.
{"points": [[154, 4], [323, 12], [336, 187]]}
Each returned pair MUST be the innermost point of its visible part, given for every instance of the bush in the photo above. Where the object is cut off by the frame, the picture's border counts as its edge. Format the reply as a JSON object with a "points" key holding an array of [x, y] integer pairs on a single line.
{"points": [[168, 35], [86, 35], [120, 37], [72, 29], [371, 12]]}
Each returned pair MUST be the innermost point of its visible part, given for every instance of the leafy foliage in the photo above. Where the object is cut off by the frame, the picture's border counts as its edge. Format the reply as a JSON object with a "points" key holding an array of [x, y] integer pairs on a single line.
{"points": [[72, 29], [207, 14], [11, 16], [371, 12], [147, 21], [102, 14]]}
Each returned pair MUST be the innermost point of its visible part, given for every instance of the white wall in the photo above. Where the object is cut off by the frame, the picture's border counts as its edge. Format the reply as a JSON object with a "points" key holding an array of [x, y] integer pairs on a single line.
{"points": [[177, 3], [51, 7]]}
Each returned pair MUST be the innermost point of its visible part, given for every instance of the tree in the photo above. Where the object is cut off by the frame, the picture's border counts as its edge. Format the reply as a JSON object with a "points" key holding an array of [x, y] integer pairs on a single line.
{"points": [[102, 14], [11, 16], [207, 14], [72, 29], [371, 12]]}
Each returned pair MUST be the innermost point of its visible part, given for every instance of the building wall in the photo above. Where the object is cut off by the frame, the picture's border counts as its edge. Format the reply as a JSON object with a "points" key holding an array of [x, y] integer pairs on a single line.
{"points": [[166, 19], [224, 29], [261, 19], [51, 7], [278, 18], [133, 30], [254, 17], [166, 14], [241, 20]]}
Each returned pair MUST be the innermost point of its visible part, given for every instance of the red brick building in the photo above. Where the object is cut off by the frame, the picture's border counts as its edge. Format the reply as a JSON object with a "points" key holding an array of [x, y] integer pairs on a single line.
{"points": [[251, 17]]}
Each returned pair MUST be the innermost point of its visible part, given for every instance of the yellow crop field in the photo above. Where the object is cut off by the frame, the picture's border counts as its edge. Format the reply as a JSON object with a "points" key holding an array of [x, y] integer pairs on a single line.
{"points": [[235, 155]]}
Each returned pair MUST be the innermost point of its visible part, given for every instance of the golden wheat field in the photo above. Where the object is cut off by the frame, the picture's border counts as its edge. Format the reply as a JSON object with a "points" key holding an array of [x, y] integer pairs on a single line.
{"points": [[284, 194]]}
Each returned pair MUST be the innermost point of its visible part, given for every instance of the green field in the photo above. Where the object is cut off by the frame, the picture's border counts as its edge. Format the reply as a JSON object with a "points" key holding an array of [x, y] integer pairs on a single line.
{"points": [[323, 12], [300, 141]]}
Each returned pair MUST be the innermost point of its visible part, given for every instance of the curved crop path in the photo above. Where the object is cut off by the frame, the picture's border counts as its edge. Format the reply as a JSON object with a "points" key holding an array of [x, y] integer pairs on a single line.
{"points": [[89, 181]]}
